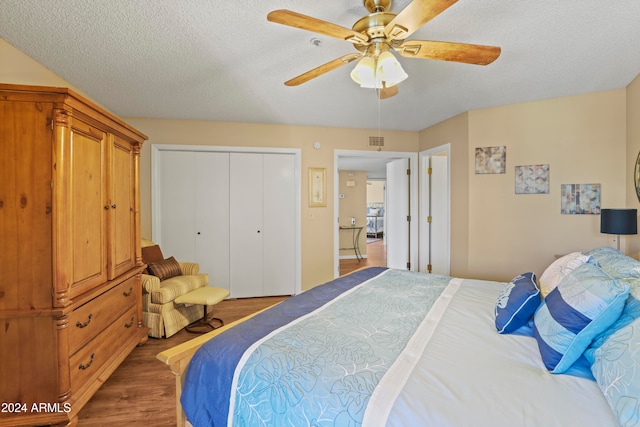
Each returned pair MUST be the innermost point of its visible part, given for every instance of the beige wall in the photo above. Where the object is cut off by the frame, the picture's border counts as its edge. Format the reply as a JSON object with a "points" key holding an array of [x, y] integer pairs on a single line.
{"points": [[318, 223], [495, 234], [353, 205], [582, 138], [375, 191], [18, 68], [633, 147]]}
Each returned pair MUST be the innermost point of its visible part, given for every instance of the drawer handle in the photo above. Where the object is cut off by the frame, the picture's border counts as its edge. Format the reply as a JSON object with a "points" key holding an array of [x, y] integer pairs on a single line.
{"points": [[126, 294], [83, 367], [130, 324], [85, 324]]}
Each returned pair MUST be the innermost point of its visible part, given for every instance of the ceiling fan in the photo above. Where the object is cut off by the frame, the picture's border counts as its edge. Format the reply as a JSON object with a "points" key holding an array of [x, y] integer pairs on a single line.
{"points": [[377, 34]]}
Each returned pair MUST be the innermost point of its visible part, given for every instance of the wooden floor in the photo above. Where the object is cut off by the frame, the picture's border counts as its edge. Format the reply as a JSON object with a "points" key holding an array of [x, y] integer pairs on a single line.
{"points": [[141, 392], [376, 257]]}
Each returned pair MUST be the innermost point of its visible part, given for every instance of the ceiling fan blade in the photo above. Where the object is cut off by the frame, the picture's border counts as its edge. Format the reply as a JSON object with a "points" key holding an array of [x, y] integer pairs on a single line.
{"points": [[387, 92], [448, 51], [325, 68], [414, 16], [304, 22]]}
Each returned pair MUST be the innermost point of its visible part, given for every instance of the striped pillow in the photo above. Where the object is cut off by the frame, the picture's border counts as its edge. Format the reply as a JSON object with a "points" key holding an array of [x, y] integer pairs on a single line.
{"points": [[165, 269], [584, 305]]}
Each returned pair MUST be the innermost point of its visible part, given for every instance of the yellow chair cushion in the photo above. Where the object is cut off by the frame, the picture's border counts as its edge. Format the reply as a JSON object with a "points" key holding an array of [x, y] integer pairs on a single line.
{"points": [[206, 295]]}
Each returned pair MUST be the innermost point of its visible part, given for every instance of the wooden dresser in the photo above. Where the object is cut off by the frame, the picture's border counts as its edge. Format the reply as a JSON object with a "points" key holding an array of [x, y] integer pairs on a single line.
{"points": [[70, 260]]}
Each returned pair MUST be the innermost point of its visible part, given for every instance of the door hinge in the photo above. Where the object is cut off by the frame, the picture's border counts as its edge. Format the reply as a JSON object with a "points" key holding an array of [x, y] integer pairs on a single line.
{"points": [[408, 266], [429, 219], [429, 267], [408, 218], [429, 171], [51, 124], [408, 171]]}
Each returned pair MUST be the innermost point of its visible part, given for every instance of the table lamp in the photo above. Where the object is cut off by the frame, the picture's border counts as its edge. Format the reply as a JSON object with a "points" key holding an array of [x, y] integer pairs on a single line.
{"points": [[619, 221]]}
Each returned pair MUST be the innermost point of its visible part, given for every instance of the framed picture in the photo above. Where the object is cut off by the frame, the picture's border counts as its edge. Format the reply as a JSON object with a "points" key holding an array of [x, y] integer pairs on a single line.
{"points": [[532, 179], [317, 187], [580, 199], [491, 160]]}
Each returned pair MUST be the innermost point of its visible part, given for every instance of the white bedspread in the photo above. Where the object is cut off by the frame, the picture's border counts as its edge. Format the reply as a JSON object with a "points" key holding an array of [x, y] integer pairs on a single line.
{"points": [[458, 371]]}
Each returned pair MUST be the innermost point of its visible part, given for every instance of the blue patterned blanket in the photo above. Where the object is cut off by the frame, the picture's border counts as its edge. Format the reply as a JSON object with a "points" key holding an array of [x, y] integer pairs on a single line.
{"points": [[320, 364]]}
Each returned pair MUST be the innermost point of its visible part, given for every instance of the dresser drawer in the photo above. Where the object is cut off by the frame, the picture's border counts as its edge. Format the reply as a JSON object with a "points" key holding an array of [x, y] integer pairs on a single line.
{"points": [[89, 320], [89, 360]]}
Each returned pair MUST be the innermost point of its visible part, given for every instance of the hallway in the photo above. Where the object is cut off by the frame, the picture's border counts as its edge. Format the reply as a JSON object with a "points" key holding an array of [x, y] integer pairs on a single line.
{"points": [[376, 257]]}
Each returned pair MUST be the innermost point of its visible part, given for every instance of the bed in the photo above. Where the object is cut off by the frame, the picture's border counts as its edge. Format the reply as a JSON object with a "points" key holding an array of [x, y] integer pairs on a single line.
{"points": [[375, 219], [396, 348]]}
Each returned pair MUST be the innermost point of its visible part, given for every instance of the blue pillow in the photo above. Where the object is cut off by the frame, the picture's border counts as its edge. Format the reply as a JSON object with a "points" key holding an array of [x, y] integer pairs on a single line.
{"points": [[584, 305], [630, 313], [615, 263], [616, 367], [517, 302]]}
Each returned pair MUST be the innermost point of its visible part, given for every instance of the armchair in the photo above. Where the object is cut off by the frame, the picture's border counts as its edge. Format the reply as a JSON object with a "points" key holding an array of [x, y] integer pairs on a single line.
{"points": [[170, 279]]}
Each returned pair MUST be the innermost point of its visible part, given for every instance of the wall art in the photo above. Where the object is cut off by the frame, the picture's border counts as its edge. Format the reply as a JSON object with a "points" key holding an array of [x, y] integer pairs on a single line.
{"points": [[532, 179], [317, 187], [580, 199], [491, 160]]}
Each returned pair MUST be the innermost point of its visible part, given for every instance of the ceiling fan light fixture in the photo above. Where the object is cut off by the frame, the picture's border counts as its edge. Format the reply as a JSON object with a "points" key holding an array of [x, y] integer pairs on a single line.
{"points": [[364, 73], [380, 72], [389, 70]]}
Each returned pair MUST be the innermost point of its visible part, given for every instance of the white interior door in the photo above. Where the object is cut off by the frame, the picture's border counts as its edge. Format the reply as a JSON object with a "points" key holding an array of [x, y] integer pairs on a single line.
{"points": [[278, 217], [212, 216], [440, 215], [435, 246], [245, 225], [397, 210]]}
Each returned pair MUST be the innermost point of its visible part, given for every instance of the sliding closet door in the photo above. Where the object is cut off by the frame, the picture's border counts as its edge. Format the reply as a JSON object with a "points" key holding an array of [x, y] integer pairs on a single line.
{"points": [[212, 216], [279, 220], [245, 226], [262, 230], [177, 194], [194, 210], [235, 214]]}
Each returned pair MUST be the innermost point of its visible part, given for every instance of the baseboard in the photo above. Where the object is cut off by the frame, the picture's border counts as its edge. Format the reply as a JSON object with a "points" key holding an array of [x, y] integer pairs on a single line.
{"points": [[351, 257]]}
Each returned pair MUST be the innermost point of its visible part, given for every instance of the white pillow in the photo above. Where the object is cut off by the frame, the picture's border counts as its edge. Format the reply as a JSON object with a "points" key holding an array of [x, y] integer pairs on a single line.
{"points": [[559, 269]]}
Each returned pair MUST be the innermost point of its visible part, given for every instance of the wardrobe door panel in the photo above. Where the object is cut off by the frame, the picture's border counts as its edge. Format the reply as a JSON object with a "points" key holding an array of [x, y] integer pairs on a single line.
{"points": [[279, 220], [89, 207], [122, 199], [212, 216], [246, 228]]}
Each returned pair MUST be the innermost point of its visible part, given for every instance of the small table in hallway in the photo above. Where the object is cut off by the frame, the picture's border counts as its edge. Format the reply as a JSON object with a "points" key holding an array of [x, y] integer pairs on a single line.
{"points": [[355, 234]]}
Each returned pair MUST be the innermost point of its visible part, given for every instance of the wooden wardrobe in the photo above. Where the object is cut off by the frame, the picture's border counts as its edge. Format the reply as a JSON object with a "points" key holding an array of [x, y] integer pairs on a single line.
{"points": [[70, 260]]}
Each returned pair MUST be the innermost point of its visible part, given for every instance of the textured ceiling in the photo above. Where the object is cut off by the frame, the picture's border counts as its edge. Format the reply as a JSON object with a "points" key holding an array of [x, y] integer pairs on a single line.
{"points": [[223, 61]]}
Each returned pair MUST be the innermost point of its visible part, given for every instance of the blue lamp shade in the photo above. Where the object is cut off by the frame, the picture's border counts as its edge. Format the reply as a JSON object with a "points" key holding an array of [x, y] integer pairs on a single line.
{"points": [[619, 221]]}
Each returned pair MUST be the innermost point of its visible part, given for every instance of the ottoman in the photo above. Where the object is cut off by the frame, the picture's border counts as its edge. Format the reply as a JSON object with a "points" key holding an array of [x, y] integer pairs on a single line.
{"points": [[206, 296]]}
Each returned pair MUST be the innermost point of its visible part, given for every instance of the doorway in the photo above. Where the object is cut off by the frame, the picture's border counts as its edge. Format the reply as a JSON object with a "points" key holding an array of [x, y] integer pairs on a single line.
{"points": [[405, 238]]}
